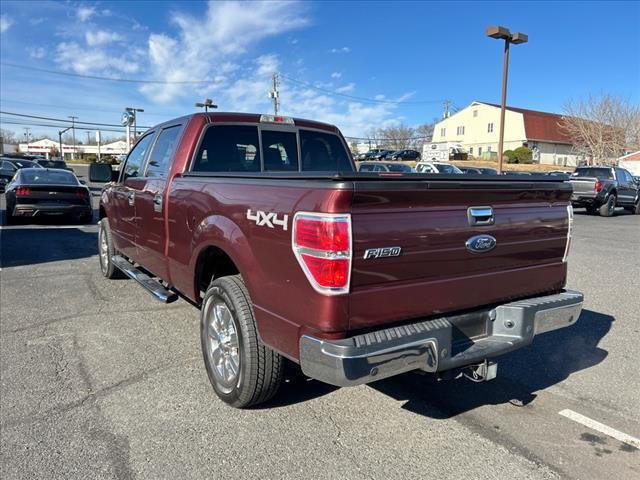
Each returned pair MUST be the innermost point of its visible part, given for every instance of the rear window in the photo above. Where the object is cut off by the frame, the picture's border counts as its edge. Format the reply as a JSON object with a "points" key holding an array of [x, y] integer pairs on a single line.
{"points": [[442, 168], [322, 152], [43, 176], [228, 148], [280, 150], [367, 167], [593, 172]]}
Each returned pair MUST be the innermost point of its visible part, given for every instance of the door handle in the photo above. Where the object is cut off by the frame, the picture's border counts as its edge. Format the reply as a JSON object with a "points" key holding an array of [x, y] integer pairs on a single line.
{"points": [[479, 216], [157, 202], [132, 197]]}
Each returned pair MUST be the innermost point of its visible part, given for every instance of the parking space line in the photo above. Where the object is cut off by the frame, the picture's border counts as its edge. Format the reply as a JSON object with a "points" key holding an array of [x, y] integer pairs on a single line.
{"points": [[601, 427]]}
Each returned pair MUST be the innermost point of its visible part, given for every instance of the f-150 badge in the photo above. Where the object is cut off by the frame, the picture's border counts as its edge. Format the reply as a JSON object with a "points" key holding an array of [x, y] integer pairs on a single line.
{"points": [[382, 252], [267, 219]]}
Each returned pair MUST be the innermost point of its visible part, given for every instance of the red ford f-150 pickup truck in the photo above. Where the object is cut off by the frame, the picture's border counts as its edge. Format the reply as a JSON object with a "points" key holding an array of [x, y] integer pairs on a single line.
{"points": [[263, 223]]}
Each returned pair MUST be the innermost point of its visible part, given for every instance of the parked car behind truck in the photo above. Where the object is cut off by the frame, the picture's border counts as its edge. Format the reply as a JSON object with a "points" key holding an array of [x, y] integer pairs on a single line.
{"points": [[601, 189], [263, 223]]}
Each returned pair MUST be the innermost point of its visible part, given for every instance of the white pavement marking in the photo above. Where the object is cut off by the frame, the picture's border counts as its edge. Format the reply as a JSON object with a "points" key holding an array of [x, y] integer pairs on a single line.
{"points": [[601, 427]]}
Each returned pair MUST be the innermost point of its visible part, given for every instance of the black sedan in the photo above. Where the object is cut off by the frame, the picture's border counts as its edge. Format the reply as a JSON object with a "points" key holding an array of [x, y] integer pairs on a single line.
{"points": [[404, 155], [9, 167], [40, 192]]}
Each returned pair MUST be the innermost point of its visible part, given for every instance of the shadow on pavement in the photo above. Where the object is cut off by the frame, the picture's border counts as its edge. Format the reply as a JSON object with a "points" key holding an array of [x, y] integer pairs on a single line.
{"points": [[550, 359], [28, 246]]}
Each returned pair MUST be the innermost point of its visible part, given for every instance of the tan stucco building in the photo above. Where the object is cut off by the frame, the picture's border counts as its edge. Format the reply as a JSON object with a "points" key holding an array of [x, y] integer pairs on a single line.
{"points": [[476, 129]]}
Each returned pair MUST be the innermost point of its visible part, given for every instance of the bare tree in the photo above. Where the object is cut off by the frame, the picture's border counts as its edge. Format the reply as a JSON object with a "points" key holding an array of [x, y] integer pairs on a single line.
{"points": [[8, 136], [424, 134], [602, 127], [398, 137]]}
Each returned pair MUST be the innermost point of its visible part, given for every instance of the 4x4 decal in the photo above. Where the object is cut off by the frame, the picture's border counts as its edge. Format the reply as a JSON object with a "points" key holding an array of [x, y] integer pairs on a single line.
{"points": [[268, 219]]}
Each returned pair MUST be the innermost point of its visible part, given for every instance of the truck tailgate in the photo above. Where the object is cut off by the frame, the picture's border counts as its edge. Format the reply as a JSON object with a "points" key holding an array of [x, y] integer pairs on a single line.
{"points": [[583, 186], [435, 271]]}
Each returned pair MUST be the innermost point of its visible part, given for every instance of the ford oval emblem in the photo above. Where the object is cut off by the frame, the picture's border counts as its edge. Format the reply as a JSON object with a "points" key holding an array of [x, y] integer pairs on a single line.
{"points": [[481, 243]]}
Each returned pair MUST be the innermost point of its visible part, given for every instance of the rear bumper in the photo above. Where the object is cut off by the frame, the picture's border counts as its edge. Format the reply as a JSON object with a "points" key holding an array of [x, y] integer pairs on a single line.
{"points": [[436, 345], [26, 210], [581, 200]]}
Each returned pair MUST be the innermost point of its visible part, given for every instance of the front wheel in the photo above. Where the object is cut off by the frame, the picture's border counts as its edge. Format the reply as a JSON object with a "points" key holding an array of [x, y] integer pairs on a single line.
{"points": [[607, 209], [242, 370], [106, 250], [635, 208]]}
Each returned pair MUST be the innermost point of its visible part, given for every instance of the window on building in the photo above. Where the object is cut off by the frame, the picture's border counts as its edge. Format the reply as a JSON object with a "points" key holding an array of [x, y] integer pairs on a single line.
{"points": [[470, 150], [489, 149], [475, 113], [490, 128], [460, 130], [479, 151], [443, 132]]}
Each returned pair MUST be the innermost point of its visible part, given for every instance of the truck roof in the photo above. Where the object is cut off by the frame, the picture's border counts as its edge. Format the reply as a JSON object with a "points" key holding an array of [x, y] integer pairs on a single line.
{"points": [[254, 118]]}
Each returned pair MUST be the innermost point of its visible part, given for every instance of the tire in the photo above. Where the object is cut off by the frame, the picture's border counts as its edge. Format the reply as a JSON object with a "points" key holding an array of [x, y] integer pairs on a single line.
{"points": [[609, 207], [106, 250], [242, 370], [635, 208]]}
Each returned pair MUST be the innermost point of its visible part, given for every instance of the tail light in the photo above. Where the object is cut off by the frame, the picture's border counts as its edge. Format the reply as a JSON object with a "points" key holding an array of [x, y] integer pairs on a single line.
{"points": [[82, 193], [569, 233], [21, 191], [598, 186], [322, 245]]}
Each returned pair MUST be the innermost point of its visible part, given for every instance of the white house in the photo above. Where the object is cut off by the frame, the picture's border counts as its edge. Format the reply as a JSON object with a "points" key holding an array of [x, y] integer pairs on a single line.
{"points": [[476, 129], [631, 162]]}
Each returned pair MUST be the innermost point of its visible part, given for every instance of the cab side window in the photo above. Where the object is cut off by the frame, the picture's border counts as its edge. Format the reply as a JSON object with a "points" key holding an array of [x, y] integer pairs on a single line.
{"points": [[136, 157], [163, 150]]}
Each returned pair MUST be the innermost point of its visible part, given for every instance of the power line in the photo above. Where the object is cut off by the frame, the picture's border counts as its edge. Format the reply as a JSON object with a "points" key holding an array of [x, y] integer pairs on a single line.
{"points": [[200, 82], [109, 79], [75, 107], [360, 99], [53, 125], [63, 120]]}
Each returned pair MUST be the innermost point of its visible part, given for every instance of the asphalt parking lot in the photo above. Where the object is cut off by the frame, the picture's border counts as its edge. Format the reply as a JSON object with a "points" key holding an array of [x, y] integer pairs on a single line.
{"points": [[99, 380]]}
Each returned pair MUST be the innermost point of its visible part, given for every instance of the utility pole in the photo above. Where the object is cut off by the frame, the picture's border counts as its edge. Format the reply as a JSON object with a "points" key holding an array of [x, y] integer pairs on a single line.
{"points": [[445, 113], [134, 111], [27, 132], [73, 132], [274, 94]]}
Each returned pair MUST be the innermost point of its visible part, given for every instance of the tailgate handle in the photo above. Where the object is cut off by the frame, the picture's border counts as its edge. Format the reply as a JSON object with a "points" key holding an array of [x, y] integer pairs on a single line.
{"points": [[480, 216]]}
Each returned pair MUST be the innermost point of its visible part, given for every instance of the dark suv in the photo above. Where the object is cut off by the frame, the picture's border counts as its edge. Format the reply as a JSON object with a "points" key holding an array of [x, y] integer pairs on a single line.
{"points": [[405, 155]]}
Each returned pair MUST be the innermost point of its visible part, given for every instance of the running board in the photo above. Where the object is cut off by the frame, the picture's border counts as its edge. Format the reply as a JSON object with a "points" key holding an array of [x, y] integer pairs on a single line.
{"points": [[152, 285]]}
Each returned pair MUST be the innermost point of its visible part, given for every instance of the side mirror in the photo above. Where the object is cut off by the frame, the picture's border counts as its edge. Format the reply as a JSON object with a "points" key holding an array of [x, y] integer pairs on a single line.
{"points": [[100, 172]]}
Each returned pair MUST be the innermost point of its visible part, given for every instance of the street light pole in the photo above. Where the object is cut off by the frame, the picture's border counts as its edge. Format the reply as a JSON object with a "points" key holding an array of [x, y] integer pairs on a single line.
{"points": [[73, 131], [503, 33], [207, 104]]}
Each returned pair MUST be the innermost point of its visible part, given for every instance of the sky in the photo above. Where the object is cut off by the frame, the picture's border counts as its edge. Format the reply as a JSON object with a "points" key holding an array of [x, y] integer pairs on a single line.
{"points": [[359, 65]]}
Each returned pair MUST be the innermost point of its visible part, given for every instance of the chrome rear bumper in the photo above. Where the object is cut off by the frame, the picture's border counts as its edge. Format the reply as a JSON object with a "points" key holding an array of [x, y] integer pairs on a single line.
{"points": [[432, 345]]}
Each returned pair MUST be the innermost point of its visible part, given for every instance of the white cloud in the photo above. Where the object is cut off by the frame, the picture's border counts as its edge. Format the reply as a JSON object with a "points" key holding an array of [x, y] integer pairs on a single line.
{"points": [[5, 23], [36, 52], [340, 50], [336, 75], [223, 34], [71, 56], [350, 87], [85, 13], [102, 37]]}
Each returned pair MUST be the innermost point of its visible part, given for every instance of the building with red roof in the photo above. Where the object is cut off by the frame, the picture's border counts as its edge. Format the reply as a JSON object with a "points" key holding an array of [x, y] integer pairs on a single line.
{"points": [[476, 129]]}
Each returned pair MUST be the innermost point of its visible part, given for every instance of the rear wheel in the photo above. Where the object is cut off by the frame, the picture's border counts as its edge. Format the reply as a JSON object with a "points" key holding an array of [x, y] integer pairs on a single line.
{"points": [[607, 209], [635, 208], [242, 370], [106, 250]]}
